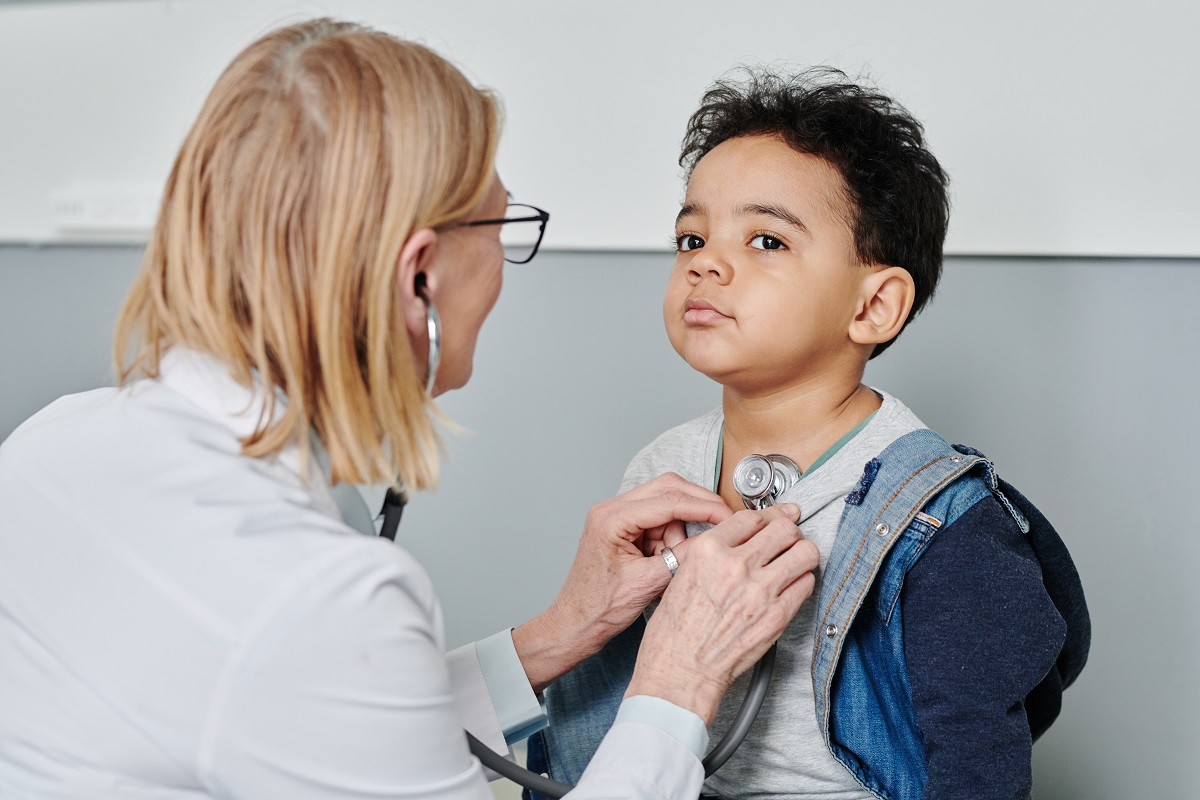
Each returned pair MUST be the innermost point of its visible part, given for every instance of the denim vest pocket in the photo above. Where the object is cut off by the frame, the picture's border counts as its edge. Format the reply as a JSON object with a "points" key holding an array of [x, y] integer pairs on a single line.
{"points": [[938, 513], [904, 554]]}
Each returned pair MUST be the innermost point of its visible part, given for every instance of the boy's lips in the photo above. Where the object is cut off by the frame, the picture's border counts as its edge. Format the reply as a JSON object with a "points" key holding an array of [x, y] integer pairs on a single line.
{"points": [[701, 312]]}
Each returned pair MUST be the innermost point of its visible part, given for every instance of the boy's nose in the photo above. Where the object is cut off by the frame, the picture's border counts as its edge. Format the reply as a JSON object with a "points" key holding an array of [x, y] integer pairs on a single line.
{"points": [[710, 263]]}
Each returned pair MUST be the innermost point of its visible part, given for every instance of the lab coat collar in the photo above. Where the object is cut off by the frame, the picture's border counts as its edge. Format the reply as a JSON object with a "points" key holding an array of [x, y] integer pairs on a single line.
{"points": [[207, 382]]}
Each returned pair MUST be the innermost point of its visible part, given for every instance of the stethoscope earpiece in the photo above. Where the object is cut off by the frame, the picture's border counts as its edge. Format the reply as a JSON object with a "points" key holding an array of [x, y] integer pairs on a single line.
{"points": [[760, 480]]}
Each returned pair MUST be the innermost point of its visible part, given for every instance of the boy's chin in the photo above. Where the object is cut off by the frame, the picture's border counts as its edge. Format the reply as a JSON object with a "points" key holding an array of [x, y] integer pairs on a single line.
{"points": [[719, 365], [713, 369], [736, 377]]}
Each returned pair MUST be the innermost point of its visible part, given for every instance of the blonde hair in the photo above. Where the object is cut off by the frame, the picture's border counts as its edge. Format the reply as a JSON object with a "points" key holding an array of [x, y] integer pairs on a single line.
{"points": [[320, 150]]}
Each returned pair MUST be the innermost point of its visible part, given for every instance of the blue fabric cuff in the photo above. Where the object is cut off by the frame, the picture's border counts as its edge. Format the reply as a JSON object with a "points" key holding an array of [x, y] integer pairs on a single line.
{"points": [[684, 725], [518, 709]]}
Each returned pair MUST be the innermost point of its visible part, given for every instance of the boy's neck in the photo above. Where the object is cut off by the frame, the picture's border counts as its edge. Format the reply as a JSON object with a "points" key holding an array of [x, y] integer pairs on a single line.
{"points": [[799, 421]]}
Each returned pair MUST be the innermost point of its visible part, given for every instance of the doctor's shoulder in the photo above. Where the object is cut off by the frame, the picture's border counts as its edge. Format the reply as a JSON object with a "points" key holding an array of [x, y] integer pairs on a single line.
{"points": [[59, 429]]}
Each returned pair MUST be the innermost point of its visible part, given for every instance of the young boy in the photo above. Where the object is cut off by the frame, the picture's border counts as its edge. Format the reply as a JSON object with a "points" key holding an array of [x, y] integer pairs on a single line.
{"points": [[810, 235]]}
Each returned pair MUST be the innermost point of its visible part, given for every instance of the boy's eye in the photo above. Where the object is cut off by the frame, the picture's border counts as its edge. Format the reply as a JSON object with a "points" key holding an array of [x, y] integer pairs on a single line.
{"points": [[765, 241], [688, 241]]}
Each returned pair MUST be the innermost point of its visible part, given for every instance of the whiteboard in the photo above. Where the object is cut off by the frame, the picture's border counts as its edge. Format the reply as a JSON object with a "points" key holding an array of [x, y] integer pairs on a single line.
{"points": [[1068, 128]]}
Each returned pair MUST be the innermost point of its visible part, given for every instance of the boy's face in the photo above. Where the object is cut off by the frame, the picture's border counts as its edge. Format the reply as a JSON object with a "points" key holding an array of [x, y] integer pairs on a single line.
{"points": [[766, 283]]}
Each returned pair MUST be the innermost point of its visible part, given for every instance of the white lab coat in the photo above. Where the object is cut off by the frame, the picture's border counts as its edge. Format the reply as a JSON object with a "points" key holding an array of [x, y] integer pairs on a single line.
{"points": [[180, 621]]}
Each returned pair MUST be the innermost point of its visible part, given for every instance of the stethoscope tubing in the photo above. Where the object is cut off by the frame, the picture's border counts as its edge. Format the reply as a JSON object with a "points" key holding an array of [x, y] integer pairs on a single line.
{"points": [[760, 679]]}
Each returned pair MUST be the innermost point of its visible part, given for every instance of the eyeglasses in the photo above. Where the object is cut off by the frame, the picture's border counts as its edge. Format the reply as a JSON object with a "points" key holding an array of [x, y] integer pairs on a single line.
{"points": [[520, 232]]}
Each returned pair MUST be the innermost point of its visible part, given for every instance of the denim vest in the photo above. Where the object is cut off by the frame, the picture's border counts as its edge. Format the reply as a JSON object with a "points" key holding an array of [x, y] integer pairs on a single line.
{"points": [[916, 487]]}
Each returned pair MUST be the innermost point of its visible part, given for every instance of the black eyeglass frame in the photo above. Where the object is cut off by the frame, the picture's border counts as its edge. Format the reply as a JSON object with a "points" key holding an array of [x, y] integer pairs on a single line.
{"points": [[540, 216]]}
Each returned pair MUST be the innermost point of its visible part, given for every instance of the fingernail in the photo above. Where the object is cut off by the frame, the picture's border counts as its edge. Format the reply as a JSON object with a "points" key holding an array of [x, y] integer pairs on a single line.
{"points": [[791, 509]]}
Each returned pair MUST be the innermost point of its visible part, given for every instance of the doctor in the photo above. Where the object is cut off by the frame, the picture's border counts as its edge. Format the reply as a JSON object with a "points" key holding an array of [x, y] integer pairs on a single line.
{"points": [[185, 612]]}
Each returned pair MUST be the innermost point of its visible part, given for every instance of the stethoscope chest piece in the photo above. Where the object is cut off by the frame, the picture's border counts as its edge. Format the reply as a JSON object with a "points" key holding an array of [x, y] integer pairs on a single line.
{"points": [[760, 480]]}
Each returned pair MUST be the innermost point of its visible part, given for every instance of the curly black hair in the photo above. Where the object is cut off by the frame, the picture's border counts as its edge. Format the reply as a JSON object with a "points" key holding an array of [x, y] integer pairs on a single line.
{"points": [[897, 189]]}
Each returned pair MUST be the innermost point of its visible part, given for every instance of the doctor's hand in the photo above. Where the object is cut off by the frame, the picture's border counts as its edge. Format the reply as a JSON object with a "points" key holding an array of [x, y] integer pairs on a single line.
{"points": [[737, 587], [611, 579]]}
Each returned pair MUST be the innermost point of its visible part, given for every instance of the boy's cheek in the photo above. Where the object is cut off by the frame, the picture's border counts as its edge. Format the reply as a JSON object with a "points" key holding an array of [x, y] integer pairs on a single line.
{"points": [[673, 311], [675, 294], [675, 336]]}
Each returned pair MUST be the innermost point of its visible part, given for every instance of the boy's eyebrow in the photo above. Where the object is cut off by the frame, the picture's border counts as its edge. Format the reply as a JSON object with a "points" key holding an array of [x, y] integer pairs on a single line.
{"points": [[688, 210], [778, 212], [751, 209]]}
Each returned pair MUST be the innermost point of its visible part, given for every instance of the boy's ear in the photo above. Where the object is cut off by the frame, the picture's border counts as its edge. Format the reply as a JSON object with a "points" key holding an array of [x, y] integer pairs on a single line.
{"points": [[883, 306], [417, 268]]}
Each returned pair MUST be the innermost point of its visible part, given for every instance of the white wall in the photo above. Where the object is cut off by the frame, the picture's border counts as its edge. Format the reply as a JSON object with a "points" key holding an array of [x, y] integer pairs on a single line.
{"points": [[1068, 126]]}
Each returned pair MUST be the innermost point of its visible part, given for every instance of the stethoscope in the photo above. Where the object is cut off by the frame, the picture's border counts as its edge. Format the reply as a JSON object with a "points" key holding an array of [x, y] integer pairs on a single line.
{"points": [[760, 480]]}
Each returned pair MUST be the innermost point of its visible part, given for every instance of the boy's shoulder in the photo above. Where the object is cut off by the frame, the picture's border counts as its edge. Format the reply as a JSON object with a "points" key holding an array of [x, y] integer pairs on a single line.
{"points": [[688, 449], [892, 421], [907, 463]]}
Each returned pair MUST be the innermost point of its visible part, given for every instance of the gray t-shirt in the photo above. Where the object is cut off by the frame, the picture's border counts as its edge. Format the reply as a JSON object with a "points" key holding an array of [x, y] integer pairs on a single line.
{"points": [[785, 753]]}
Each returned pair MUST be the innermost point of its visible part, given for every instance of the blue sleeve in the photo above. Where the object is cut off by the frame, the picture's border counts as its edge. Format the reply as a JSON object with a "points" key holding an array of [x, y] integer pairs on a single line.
{"points": [[980, 632]]}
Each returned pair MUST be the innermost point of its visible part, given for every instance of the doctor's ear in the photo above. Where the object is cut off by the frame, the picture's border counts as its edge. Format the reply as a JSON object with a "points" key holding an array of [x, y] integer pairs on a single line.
{"points": [[417, 278], [883, 306]]}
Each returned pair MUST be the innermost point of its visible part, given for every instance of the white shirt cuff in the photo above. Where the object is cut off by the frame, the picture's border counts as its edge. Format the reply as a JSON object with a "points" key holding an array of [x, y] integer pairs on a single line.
{"points": [[518, 709], [684, 725]]}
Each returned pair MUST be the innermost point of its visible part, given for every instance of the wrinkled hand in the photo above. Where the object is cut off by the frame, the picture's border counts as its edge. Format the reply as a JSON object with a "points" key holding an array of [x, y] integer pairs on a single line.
{"points": [[611, 579], [737, 587]]}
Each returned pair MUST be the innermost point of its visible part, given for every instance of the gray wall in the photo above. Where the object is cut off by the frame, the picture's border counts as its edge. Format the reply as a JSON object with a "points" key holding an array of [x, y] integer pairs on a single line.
{"points": [[1078, 378]]}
